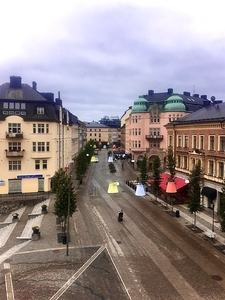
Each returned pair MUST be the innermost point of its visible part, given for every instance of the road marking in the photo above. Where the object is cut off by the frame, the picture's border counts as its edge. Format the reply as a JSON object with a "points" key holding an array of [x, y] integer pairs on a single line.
{"points": [[12, 251], [62, 290], [8, 283]]}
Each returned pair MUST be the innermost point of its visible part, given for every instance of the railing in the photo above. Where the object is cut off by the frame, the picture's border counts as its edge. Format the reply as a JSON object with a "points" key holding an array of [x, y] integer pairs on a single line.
{"points": [[14, 153], [154, 137], [13, 135]]}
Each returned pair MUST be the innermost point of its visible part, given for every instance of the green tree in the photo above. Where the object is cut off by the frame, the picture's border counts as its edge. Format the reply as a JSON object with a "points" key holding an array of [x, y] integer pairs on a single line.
{"points": [[194, 191], [171, 164], [222, 208], [64, 195], [143, 169], [156, 164]]}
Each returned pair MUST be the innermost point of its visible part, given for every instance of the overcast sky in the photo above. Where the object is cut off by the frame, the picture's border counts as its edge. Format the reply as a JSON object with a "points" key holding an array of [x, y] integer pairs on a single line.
{"points": [[101, 55]]}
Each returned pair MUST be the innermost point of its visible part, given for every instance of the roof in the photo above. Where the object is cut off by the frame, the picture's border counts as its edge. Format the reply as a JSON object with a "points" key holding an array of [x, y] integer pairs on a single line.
{"points": [[210, 113], [96, 125], [25, 93], [191, 102]]}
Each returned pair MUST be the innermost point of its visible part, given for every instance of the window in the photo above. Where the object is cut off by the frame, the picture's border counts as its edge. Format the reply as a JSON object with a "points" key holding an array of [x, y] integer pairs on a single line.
{"points": [[185, 162], [178, 161], [201, 146], [139, 144], [40, 110], [135, 131], [155, 145], [14, 127], [44, 164], [34, 147], [47, 146], [14, 165], [211, 143], [37, 164], [139, 131], [15, 146], [179, 141], [154, 131], [211, 167], [194, 142], [47, 128], [222, 143], [14, 105], [186, 141], [170, 140], [221, 170], [41, 146], [34, 128], [41, 128]]}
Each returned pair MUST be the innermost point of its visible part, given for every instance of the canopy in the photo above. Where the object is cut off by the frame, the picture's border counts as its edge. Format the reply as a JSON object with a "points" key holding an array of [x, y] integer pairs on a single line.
{"points": [[164, 178], [209, 192]]}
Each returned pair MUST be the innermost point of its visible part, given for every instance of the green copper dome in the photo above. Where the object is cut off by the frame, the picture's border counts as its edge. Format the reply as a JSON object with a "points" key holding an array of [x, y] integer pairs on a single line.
{"points": [[174, 103], [139, 105]]}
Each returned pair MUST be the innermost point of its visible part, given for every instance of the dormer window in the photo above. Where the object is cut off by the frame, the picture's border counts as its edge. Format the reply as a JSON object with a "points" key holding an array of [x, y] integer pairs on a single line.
{"points": [[40, 110]]}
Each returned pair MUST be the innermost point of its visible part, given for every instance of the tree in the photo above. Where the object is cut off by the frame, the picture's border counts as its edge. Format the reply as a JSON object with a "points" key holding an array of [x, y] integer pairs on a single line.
{"points": [[156, 175], [171, 164], [64, 195], [143, 168], [222, 208], [194, 191]]}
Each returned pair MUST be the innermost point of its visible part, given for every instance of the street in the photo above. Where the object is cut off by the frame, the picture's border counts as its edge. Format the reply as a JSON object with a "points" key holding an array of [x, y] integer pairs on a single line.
{"points": [[151, 255]]}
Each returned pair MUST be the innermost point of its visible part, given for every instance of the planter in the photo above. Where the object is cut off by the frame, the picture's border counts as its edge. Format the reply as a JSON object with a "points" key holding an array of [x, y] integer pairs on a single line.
{"points": [[15, 216], [44, 209]]}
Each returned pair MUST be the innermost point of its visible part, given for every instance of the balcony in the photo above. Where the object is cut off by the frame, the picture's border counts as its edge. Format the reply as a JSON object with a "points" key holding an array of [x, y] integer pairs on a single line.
{"points": [[154, 137], [14, 153], [14, 135]]}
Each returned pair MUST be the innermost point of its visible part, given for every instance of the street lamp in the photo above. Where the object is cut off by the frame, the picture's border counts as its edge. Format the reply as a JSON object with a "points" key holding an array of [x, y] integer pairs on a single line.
{"points": [[171, 189], [68, 209]]}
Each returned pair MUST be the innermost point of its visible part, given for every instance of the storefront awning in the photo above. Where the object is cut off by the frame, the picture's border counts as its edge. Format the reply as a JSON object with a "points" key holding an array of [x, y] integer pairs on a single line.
{"points": [[209, 192], [164, 178]]}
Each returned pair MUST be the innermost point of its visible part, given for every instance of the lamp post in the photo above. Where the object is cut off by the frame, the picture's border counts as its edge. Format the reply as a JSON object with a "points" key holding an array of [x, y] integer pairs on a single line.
{"points": [[68, 209], [171, 189], [213, 216]]}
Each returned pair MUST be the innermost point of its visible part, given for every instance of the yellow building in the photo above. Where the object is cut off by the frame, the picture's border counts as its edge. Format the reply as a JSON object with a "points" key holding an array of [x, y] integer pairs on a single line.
{"points": [[38, 136]]}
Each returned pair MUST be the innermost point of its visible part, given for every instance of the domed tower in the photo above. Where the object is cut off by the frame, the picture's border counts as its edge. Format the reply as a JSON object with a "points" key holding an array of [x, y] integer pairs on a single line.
{"points": [[140, 105], [175, 103]]}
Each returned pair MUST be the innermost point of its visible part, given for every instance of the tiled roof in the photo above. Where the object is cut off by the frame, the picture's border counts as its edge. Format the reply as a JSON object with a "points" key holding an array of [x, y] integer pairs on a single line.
{"points": [[212, 112], [25, 93]]}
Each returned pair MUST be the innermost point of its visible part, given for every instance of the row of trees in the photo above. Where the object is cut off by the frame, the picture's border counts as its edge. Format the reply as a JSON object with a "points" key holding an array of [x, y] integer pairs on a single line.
{"points": [[62, 185], [194, 187]]}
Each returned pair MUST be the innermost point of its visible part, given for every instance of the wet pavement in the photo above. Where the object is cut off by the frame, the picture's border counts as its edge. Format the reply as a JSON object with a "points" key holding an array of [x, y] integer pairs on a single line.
{"points": [[108, 260]]}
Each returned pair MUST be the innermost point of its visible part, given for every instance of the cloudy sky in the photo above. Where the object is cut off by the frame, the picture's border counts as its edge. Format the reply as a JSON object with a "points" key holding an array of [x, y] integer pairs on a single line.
{"points": [[102, 54]]}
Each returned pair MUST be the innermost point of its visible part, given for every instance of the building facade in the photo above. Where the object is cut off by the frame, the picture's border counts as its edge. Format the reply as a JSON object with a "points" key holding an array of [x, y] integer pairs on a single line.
{"points": [[145, 130], [102, 133], [36, 139], [200, 136]]}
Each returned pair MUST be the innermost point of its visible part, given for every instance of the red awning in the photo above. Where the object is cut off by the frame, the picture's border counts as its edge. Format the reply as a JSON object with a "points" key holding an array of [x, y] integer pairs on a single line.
{"points": [[164, 178]]}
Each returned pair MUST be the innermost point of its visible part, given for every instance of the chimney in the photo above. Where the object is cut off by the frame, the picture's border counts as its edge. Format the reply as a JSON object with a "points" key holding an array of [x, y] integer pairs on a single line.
{"points": [[186, 93], [150, 92], [15, 82], [196, 95], [204, 97], [170, 91], [34, 85]]}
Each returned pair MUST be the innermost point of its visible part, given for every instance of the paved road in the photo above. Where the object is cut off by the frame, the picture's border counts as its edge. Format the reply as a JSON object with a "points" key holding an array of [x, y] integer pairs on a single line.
{"points": [[152, 255]]}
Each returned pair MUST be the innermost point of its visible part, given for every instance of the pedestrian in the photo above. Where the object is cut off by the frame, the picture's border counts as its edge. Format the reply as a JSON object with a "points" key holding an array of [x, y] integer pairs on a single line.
{"points": [[120, 216]]}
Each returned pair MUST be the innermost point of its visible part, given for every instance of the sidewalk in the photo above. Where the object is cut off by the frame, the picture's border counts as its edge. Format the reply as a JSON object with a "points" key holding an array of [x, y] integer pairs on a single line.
{"points": [[204, 219]]}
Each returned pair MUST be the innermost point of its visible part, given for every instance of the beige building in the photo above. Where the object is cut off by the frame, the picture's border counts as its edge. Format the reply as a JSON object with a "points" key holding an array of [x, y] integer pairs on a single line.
{"points": [[102, 133], [38, 136]]}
